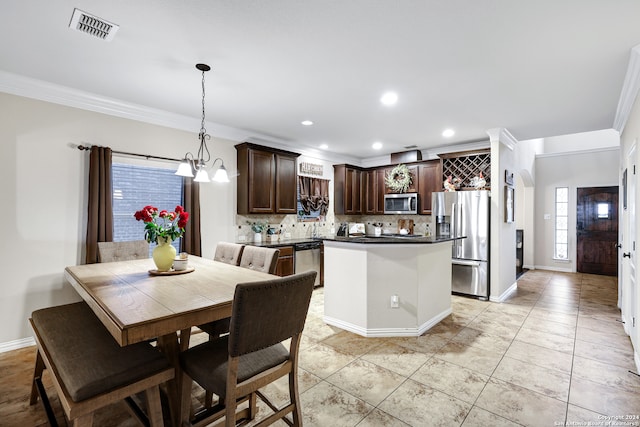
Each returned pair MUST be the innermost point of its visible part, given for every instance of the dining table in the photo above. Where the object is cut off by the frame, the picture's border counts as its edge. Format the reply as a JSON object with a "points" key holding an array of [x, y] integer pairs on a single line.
{"points": [[137, 303]]}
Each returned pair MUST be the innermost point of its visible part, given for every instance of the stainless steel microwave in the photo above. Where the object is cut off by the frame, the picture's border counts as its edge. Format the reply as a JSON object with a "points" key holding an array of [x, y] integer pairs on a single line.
{"points": [[402, 203]]}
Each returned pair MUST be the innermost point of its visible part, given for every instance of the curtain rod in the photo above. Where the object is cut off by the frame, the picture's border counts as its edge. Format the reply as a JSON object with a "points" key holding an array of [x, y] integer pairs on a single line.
{"points": [[146, 156]]}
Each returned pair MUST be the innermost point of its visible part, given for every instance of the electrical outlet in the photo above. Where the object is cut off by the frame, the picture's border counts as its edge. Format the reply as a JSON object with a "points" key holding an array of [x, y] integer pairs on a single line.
{"points": [[395, 301], [333, 230], [242, 238], [287, 235]]}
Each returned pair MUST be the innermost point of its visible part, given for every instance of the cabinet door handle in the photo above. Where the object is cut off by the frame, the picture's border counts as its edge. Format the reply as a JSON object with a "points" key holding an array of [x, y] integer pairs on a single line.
{"points": [[626, 255], [619, 245]]}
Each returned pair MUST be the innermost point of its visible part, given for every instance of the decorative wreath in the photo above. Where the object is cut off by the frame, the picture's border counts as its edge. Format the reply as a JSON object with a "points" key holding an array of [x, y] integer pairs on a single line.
{"points": [[399, 179]]}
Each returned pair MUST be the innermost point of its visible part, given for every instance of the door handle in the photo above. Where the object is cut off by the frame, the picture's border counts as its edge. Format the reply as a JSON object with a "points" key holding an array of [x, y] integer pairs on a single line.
{"points": [[626, 255], [619, 245]]}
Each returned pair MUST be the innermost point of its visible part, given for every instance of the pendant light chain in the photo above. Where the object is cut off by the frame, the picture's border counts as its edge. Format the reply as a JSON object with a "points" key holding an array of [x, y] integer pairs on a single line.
{"points": [[202, 128], [203, 131]]}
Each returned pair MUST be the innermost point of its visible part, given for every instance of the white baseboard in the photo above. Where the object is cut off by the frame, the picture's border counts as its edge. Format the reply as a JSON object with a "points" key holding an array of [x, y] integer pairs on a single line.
{"points": [[636, 358], [553, 268], [388, 332], [17, 344], [505, 294], [529, 267]]}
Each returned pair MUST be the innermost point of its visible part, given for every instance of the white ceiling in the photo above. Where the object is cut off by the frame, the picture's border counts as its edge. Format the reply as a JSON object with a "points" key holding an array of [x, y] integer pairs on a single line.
{"points": [[538, 68]]}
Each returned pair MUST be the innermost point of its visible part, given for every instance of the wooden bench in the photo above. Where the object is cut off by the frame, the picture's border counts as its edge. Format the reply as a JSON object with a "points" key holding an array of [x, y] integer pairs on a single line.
{"points": [[90, 370]]}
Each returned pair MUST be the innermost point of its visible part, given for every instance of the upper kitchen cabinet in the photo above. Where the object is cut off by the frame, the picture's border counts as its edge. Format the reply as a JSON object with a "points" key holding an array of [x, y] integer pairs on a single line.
{"points": [[413, 187], [347, 184], [266, 180], [429, 180]]}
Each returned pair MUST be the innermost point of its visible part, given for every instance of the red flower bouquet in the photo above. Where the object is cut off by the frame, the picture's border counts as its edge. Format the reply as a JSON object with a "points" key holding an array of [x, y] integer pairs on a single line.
{"points": [[162, 225]]}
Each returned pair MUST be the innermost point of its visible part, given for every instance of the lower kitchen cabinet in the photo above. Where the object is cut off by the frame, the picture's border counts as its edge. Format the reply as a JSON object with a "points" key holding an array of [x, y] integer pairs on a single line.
{"points": [[285, 264]]}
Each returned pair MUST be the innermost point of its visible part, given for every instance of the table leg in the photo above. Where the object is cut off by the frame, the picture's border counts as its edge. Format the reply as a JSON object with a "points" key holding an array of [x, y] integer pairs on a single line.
{"points": [[169, 345]]}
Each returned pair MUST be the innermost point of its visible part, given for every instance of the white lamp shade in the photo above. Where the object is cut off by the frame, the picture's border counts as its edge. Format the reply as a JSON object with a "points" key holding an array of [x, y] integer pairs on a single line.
{"points": [[201, 176], [221, 175], [185, 169]]}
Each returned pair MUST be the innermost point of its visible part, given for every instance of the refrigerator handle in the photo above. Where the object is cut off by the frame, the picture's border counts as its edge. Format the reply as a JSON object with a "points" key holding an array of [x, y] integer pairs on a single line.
{"points": [[454, 229]]}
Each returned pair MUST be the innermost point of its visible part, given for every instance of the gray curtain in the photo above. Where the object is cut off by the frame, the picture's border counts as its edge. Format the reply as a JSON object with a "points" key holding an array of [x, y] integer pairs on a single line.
{"points": [[100, 207]]}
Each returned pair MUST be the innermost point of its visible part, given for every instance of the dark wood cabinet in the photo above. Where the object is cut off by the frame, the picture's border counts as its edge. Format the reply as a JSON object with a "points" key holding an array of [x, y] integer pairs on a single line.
{"points": [[347, 185], [266, 180], [285, 265], [371, 191], [429, 179], [382, 186], [286, 185]]}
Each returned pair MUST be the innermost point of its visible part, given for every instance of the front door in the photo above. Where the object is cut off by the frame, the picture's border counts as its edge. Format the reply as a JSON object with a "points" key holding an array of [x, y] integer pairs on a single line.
{"points": [[597, 228]]}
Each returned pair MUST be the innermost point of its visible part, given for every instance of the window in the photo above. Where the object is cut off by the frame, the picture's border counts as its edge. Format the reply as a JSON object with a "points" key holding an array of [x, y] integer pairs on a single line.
{"points": [[561, 226], [137, 186], [603, 210]]}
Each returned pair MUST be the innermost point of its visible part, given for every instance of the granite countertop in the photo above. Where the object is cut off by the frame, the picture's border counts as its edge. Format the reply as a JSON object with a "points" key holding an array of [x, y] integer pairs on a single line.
{"points": [[280, 243], [394, 239]]}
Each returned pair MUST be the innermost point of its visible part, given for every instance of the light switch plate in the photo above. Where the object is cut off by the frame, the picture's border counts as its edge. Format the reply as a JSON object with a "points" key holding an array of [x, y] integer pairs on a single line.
{"points": [[547, 216], [242, 238]]}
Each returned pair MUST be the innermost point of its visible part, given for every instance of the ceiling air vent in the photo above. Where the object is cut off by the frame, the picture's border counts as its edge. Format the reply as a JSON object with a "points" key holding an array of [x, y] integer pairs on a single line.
{"points": [[92, 25], [409, 147]]}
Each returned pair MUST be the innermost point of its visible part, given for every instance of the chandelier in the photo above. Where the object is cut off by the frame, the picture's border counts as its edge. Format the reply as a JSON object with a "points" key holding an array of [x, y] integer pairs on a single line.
{"points": [[198, 163]]}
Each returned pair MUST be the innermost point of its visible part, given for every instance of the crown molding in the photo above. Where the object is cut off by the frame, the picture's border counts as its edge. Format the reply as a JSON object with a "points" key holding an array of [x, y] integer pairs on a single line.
{"points": [[629, 92], [574, 152], [503, 136]]}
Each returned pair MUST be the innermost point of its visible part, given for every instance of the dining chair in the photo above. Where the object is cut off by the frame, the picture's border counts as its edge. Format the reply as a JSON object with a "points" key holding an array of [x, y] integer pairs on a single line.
{"points": [[254, 258], [235, 367], [122, 251], [260, 259], [228, 253]]}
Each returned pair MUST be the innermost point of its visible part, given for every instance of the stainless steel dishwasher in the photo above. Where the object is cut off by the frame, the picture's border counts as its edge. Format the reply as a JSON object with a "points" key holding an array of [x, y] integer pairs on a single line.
{"points": [[308, 258]]}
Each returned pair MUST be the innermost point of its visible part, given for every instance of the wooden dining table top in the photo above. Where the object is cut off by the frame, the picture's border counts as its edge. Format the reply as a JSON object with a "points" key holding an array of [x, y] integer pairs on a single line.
{"points": [[135, 305]]}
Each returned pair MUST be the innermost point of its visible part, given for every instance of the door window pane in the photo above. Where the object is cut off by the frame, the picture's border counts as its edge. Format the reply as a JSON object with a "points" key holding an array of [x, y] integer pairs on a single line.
{"points": [[561, 248], [603, 210]]}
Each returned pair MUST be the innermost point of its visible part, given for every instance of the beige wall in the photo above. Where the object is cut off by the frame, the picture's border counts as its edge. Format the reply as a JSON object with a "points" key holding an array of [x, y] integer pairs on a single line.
{"points": [[43, 187]]}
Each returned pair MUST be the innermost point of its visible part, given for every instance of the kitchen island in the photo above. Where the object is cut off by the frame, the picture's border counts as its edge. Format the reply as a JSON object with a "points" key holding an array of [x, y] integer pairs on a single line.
{"points": [[387, 286]]}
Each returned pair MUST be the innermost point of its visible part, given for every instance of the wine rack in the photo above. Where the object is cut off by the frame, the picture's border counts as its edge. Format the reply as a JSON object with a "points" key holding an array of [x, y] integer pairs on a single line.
{"points": [[467, 165]]}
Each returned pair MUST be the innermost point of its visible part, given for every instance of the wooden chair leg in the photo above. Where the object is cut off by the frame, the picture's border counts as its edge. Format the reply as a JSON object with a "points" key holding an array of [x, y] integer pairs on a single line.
{"points": [[208, 399], [295, 398], [154, 407], [185, 404], [37, 373]]}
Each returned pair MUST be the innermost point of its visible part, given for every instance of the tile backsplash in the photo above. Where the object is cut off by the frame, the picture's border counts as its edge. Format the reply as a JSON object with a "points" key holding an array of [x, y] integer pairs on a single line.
{"points": [[290, 228]]}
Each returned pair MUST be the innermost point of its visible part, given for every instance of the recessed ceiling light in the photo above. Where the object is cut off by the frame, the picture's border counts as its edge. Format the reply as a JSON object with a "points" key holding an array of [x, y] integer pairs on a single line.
{"points": [[389, 98], [307, 122], [323, 146], [377, 145], [448, 133]]}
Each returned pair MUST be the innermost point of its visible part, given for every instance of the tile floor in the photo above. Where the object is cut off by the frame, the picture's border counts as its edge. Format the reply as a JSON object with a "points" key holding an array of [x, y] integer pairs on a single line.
{"points": [[553, 354]]}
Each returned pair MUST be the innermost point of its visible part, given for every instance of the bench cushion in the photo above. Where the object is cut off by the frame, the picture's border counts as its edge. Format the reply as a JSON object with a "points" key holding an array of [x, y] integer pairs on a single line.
{"points": [[88, 359]]}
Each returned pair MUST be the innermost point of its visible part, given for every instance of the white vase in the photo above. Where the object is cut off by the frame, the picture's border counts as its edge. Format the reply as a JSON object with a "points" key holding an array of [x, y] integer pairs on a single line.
{"points": [[257, 238]]}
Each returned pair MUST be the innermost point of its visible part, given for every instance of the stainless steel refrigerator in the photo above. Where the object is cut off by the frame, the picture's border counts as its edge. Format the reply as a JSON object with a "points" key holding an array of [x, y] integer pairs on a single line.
{"points": [[465, 214]]}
